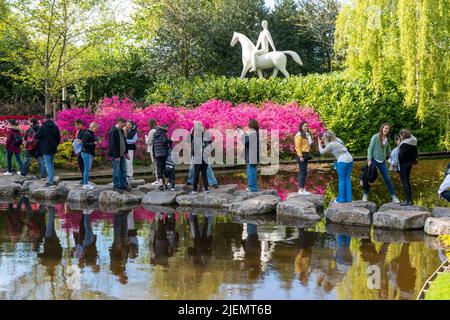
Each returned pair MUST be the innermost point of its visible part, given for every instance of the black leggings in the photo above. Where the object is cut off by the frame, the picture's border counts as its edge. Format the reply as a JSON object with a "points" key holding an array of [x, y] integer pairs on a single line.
{"points": [[405, 173], [203, 167], [302, 172], [160, 166]]}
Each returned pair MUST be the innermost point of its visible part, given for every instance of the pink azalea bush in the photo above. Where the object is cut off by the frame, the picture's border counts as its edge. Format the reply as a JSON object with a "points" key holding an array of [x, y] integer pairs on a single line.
{"points": [[215, 114]]}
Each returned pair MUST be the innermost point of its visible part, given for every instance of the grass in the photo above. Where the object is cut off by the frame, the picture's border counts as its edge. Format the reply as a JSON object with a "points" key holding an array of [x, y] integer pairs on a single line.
{"points": [[439, 288]]}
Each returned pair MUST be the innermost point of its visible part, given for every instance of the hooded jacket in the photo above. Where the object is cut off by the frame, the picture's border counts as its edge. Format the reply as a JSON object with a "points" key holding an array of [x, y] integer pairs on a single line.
{"points": [[49, 137], [161, 143], [407, 154], [11, 145], [114, 143], [36, 152]]}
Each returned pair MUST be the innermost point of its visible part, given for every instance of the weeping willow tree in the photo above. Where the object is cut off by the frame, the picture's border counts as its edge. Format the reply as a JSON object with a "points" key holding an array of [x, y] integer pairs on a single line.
{"points": [[405, 41]]}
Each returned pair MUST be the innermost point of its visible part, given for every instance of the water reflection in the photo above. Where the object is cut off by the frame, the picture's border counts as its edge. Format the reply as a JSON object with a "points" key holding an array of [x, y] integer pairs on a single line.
{"points": [[165, 238]]}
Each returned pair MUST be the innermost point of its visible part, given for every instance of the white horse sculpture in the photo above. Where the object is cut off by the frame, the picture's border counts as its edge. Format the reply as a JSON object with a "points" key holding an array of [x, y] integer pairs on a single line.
{"points": [[273, 59]]}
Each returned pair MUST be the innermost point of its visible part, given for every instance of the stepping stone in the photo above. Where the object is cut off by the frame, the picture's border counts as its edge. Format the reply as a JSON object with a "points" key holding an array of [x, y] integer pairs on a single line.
{"points": [[242, 195], [263, 204], [163, 198], [357, 213], [123, 197], [211, 199], [159, 209], [317, 199], [116, 207], [296, 222], [398, 236], [298, 208], [397, 206], [150, 187], [360, 232], [38, 190], [9, 188], [437, 226], [440, 212], [78, 194], [136, 183], [70, 184], [256, 220], [226, 188], [400, 219]]}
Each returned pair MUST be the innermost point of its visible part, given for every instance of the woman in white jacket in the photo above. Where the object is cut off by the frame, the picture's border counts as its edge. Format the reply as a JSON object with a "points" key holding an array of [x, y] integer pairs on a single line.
{"points": [[152, 124]]}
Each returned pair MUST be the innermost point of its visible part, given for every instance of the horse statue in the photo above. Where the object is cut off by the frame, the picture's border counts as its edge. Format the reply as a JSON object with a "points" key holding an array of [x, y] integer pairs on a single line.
{"points": [[273, 59]]}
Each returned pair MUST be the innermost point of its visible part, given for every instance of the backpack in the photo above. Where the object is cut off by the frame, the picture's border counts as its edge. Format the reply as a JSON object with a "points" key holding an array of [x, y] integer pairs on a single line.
{"points": [[18, 139], [30, 143]]}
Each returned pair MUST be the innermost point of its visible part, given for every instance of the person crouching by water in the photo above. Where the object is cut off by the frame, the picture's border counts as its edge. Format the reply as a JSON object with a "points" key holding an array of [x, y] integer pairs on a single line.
{"points": [[303, 141], [89, 142], [161, 145], [330, 144], [377, 153], [252, 154], [407, 157], [118, 152]]}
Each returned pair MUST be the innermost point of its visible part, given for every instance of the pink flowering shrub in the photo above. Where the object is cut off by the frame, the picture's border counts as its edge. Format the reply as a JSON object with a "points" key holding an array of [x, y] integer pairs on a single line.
{"points": [[215, 114]]}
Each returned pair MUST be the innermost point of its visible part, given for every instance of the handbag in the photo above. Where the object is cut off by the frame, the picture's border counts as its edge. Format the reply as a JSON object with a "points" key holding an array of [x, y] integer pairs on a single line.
{"points": [[306, 155]]}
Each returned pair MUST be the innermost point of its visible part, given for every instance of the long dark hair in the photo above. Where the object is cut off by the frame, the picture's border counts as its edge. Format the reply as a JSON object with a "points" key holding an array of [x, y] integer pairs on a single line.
{"points": [[380, 132], [253, 124], [152, 124], [300, 128]]}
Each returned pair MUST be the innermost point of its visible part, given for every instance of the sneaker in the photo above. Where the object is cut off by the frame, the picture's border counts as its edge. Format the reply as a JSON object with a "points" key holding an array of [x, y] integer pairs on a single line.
{"points": [[88, 187], [19, 173], [188, 184], [155, 183], [406, 203], [7, 174], [194, 192], [50, 185], [395, 199], [130, 178], [172, 189], [215, 186], [303, 193], [247, 189], [166, 187], [161, 187], [81, 182], [22, 175], [206, 191], [365, 197]]}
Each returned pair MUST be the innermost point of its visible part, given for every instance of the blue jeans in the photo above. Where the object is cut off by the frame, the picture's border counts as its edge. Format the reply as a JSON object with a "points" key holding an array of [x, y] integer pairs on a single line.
{"points": [[212, 181], [119, 173], [49, 160], [252, 180], [446, 195], [40, 163], [18, 159], [87, 162], [344, 171], [385, 174]]}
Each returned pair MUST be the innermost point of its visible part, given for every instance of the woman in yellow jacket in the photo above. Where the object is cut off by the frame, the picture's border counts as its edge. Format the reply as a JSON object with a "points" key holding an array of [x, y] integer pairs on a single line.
{"points": [[303, 141]]}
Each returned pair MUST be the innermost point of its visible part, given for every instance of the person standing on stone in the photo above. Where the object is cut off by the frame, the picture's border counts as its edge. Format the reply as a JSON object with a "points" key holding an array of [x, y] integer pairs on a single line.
{"points": [[118, 152], [407, 157], [152, 124], [32, 149], [264, 40], [161, 145], [49, 139], [132, 136], [377, 153], [252, 154], [76, 142], [200, 140], [89, 142], [13, 146], [330, 144], [444, 188], [303, 141]]}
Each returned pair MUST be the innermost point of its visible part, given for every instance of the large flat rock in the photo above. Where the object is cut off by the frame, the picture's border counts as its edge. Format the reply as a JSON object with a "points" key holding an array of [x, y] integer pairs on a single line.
{"points": [[351, 213], [398, 206], [78, 194], [298, 208], [397, 236], [150, 187], [9, 188], [440, 212], [242, 195], [317, 199], [437, 226], [136, 183], [164, 198], [264, 204], [38, 190], [122, 197], [400, 219], [202, 199]]}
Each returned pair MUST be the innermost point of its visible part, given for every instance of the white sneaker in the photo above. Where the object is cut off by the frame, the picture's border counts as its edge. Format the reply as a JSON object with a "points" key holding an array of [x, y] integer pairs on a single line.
{"points": [[303, 193], [7, 173], [19, 173], [88, 187], [194, 192], [365, 197], [155, 183], [395, 199]]}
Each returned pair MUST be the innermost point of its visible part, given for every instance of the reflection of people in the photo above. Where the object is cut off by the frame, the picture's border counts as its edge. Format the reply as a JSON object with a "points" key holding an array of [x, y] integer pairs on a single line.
{"points": [[85, 240], [165, 239], [343, 255], [302, 263], [402, 274], [36, 222], [264, 40], [119, 248], [200, 253], [132, 236], [369, 254], [252, 249], [52, 254]]}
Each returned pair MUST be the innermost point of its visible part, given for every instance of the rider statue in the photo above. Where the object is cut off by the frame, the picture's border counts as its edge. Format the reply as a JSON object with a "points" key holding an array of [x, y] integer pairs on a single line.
{"points": [[264, 40]]}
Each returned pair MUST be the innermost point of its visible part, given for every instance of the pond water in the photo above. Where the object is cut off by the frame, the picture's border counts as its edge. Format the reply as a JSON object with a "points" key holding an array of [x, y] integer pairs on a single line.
{"points": [[48, 251]]}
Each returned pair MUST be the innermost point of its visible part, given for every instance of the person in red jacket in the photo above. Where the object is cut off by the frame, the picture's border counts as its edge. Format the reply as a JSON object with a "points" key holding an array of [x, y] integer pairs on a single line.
{"points": [[13, 146]]}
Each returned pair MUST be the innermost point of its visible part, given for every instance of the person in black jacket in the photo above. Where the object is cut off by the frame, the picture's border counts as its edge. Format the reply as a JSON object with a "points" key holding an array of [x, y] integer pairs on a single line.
{"points": [[32, 149], [118, 152], [252, 154], [407, 156], [200, 140], [161, 145], [131, 134], [88, 152], [49, 139]]}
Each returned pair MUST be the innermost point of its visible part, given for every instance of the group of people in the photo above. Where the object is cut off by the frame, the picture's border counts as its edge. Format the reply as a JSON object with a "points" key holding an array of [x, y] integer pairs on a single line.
{"points": [[41, 143]]}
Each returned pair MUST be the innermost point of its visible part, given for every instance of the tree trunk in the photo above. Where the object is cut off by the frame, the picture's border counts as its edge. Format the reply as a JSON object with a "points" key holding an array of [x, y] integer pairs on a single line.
{"points": [[46, 97]]}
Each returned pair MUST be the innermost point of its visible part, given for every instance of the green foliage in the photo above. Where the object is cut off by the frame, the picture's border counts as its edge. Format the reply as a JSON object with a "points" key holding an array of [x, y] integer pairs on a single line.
{"points": [[353, 108], [439, 288], [64, 158]]}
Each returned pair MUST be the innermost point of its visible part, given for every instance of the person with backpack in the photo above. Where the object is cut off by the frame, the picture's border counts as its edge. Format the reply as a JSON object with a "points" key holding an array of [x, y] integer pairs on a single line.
{"points": [[49, 139], [132, 136], [161, 146], [330, 144], [13, 146], [32, 150], [88, 152], [77, 144]]}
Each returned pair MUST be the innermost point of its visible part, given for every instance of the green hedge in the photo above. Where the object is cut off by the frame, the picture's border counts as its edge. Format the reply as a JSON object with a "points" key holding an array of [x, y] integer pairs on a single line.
{"points": [[353, 108]]}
